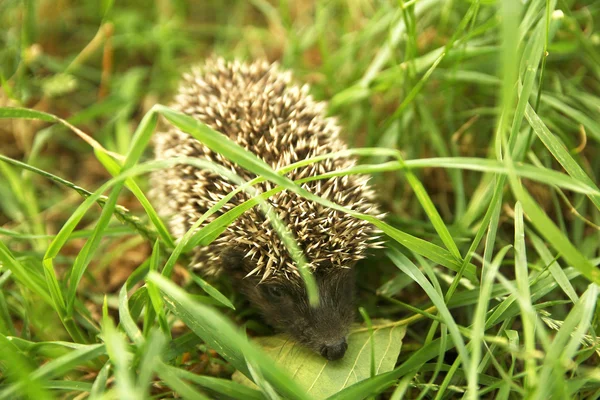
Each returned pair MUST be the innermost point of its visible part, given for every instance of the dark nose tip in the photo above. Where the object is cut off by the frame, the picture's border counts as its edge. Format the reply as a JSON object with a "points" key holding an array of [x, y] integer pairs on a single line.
{"points": [[335, 351]]}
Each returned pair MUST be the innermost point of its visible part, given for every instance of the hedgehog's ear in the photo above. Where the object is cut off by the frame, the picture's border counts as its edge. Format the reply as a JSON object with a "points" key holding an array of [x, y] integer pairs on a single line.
{"points": [[232, 262]]}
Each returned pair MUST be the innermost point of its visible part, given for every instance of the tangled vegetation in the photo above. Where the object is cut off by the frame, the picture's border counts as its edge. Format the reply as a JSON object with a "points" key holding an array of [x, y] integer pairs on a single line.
{"points": [[476, 119]]}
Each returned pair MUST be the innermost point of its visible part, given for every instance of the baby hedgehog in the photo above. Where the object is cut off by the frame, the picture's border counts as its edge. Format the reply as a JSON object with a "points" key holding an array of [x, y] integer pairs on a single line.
{"points": [[257, 106]]}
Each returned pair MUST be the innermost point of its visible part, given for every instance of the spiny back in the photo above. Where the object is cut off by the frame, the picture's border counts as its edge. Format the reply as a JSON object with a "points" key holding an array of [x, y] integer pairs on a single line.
{"points": [[257, 106]]}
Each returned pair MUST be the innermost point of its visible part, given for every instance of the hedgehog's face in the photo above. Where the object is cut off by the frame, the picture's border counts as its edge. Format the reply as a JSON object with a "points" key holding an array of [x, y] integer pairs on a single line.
{"points": [[323, 329], [284, 304]]}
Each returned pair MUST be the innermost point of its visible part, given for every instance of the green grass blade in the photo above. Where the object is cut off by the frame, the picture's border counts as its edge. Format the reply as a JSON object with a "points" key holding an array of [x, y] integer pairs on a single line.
{"points": [[550, 231], [139, 142], [57, 367], [522, 278], [558, 151], [406, 266], [126, 320], [221, 335], [99, 385], [211, 291], [121, 359], [154, 298], [114, 168], [553, 266], [566, 342], [179, 386], [222, 386], [489, 274], [151, 360], [20, 372], [31, 280]]}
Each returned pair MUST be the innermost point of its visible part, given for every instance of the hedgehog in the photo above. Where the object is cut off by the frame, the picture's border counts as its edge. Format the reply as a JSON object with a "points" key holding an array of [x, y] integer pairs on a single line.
{"points": [[258, 106]]}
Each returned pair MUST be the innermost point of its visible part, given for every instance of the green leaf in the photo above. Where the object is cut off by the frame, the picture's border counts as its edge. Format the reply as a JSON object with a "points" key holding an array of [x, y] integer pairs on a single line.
{"points": [[322, 378], [379, 383]]}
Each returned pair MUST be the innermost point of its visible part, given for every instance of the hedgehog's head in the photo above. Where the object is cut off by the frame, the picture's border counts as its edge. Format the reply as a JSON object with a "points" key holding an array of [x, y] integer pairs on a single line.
{"points": [[283, 302]]}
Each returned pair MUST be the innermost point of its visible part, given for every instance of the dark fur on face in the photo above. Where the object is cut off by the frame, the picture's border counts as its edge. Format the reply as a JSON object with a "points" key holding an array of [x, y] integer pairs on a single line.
{"points": [[284, 304]]}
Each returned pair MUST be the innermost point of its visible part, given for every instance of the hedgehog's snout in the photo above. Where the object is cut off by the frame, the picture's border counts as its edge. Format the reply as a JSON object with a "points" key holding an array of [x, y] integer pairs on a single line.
{"points": [[334, 351]]}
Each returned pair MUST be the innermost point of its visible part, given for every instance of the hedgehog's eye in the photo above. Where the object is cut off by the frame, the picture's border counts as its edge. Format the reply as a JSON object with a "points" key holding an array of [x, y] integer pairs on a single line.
{"points": [[275, 292]]}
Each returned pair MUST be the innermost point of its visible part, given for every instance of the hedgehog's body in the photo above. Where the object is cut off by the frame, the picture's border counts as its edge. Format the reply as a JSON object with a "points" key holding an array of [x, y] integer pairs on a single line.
{"points": [[256, 106]]}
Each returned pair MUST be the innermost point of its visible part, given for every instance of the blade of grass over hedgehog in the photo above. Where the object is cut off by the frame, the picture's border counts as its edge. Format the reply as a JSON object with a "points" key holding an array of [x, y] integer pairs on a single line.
{"points": [[213, 140], [213, 229], [234, 152], [223, 336]]}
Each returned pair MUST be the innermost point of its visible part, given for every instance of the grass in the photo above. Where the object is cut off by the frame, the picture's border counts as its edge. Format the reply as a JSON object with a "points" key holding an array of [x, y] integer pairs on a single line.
{"points": [[477, 121]]}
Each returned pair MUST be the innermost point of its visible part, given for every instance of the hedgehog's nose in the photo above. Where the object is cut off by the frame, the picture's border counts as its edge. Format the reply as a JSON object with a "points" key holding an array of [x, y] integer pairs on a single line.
{"points": [[335, 351]]}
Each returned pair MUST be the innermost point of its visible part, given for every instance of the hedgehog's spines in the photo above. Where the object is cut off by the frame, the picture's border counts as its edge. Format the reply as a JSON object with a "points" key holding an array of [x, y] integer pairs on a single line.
{"points": [[257, 106]]}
